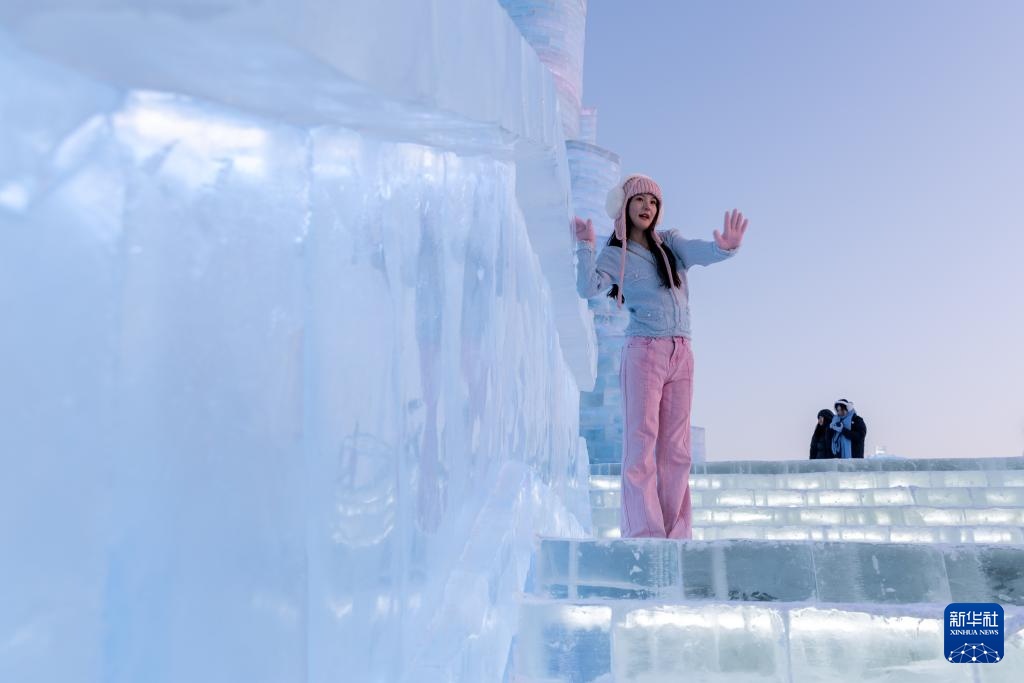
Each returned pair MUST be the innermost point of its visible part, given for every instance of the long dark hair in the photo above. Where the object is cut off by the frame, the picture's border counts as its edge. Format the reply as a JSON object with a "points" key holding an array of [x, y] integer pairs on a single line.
{"points": [[822, 429], [663, 274]]}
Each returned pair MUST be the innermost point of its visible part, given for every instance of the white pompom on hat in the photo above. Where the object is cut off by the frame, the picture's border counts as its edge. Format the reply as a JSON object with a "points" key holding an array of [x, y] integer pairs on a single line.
{"points": [[613, 203]]}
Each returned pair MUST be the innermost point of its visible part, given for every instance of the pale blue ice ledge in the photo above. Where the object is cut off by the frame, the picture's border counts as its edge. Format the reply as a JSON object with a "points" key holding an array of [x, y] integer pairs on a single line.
{"points": [[901, 515], [840, 480], [776, 571], [608, 496], [601, 641], [838, 465]]}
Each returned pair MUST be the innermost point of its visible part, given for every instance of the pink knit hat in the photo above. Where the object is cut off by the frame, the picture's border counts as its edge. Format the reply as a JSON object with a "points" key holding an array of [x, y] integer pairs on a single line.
{"points": [[616, 206]]}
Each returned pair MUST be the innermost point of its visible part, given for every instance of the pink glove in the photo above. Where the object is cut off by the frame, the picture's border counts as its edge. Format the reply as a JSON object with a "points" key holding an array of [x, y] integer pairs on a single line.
{"points": [[584, 230], [732, 235]]}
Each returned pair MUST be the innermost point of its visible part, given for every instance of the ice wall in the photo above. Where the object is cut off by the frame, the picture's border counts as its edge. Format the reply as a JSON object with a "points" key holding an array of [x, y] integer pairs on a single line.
{"points": [[594, 170], [557, 29], [291, 349]]}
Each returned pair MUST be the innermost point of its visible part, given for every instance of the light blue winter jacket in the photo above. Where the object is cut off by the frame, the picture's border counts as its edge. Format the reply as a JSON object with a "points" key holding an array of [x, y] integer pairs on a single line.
{"points": [[654, 310]]}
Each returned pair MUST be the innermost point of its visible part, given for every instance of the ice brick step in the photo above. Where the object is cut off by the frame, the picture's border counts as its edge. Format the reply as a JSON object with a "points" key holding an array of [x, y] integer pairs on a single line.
{"points": [[606, 526], [893, 515], [769, 571], [953, 535], [956, 496], [628, 641], [839, 480], [836, 465]]}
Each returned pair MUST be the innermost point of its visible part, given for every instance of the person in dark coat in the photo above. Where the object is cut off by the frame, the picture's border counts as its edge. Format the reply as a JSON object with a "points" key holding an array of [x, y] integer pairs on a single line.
{"points": [[821, 440], [848, 431]]}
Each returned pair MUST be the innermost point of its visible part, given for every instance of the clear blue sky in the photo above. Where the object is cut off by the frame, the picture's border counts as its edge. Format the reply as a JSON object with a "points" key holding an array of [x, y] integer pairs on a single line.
{"points": [[877, 148]]}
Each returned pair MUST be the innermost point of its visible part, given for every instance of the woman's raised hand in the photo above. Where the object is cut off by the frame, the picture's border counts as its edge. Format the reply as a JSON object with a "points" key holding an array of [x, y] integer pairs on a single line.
{"points": [[732, 234], [584, 230]]}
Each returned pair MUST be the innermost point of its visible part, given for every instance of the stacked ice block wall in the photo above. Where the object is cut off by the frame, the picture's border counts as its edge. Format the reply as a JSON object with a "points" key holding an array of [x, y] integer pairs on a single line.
{"points": [[556, 29], [594, 170], [802, 571], [291, 350], [878, 500]]}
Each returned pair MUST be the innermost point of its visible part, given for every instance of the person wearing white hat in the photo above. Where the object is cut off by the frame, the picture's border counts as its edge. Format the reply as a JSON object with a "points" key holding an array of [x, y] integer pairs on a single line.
{"points": [[848, 431]]}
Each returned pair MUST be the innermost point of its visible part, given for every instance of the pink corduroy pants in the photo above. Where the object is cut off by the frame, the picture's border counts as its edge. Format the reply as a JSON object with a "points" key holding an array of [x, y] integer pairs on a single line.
{"points": [[657, 390]]}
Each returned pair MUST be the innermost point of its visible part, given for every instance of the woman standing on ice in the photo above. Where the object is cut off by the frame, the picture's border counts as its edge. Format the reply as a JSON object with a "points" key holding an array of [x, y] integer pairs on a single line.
{"points": [[646, 270]]}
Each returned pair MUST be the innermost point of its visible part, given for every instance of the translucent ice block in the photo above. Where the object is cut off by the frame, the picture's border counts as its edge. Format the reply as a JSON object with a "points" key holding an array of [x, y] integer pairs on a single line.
{"points": [[710, 643], [926, 478], [604, 481], [960, 478], [928, 516], [757, 571], [562, 641], [841, 497], [605, 522], [858, 465], [994, 516], [1009, 496], [605, 492], [959, 496], [782, 497], [633, 568], [860, 572], [1006, 478], [845, 480], [996, 572], [894, 516], [897, 496], [625, 641], [833, 645], [606, 525], [605, 497]]}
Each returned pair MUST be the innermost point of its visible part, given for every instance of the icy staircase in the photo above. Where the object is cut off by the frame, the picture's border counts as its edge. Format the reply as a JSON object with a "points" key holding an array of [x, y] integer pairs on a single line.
{"points": [[813, 571], [901, 501]]}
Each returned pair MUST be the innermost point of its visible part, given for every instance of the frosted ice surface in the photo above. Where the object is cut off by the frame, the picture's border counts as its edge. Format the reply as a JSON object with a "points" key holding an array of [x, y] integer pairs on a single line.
{"points": [[606, 497], [711, 643], [622, 640], [605, 493], [842, 572], [849, 482], [556, 29], [994, 571], [1013, 496], [947, 497], [736, 571], [888, 537], [563, 642], [606, 526], [894, 497], [257, 384], [633, 569], [832, 645], [851, 571], [823, 467], [857, 572]]}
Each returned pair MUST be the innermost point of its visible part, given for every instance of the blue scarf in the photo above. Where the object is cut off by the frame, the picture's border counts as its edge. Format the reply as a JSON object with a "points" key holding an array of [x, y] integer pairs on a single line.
{"points": [[841, 446]]}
